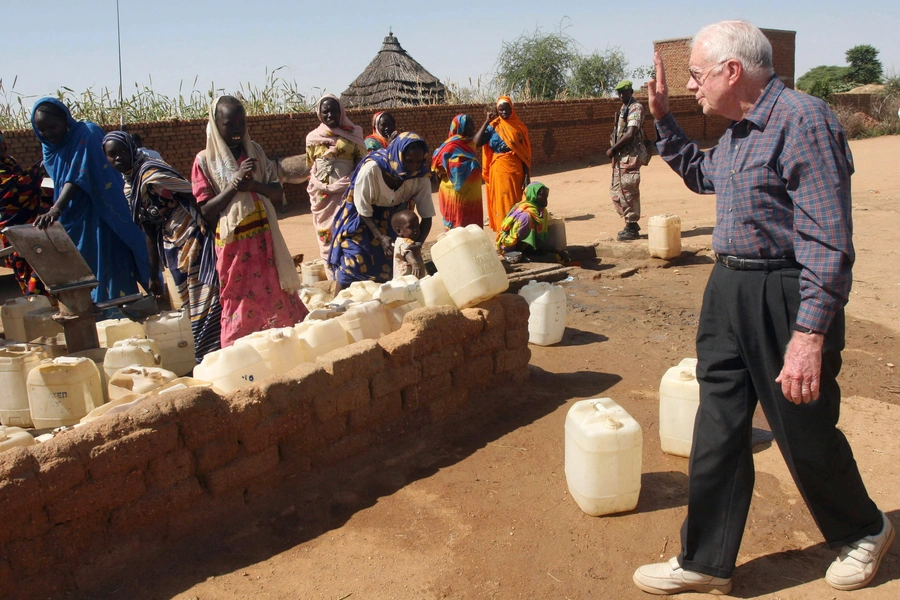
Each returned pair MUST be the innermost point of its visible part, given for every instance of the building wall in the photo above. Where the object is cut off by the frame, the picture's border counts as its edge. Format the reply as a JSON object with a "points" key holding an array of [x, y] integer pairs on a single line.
{"points": [[676, 55], [561, 131], [90, 501]]}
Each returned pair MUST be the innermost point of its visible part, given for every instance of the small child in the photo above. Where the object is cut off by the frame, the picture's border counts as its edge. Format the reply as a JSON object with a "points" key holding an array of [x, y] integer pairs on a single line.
{"points": [[407, 251]]}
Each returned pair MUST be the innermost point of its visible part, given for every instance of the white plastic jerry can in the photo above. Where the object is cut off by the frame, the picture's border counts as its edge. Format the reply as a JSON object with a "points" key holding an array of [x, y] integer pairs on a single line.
{"points": [[233, 367], [280, 348], [13, 311], [547, 312], [111, 331], [12, 437], [603, 457], [171, 330], [469, 265], [365, 321], [320, 337], [679, 398], [16, 362], [664, 236], [63, 390], [131, 352]]}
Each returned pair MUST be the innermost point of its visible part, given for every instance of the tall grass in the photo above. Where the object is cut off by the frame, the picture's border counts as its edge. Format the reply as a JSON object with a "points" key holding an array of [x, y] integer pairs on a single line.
{"points": [[275, 96]]}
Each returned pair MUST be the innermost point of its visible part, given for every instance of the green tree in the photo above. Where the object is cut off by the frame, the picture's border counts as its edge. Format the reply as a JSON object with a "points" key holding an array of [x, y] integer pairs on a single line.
{"points": [[596, 75], [864, 65], [538, 64], [822, 74]]}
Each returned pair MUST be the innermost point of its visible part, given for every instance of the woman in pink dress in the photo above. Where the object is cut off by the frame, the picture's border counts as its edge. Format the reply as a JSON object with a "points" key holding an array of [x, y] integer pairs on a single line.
{"points": [[234, 184]]}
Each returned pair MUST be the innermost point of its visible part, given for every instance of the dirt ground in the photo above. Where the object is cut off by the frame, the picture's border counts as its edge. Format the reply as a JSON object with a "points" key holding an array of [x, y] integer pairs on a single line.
{"points": [[483, 511]]}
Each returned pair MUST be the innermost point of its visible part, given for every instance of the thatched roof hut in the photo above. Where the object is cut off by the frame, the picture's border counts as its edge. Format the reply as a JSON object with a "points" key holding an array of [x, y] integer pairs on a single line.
{"points": [[393, 79]]}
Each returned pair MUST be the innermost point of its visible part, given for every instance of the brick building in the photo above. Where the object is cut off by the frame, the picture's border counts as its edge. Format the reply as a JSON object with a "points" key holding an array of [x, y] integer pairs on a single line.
{"points": [[676, 54]]}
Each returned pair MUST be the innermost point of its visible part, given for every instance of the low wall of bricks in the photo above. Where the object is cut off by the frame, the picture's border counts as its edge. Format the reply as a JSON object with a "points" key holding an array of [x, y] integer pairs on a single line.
{"points": [[561, 131], [93, 500]]}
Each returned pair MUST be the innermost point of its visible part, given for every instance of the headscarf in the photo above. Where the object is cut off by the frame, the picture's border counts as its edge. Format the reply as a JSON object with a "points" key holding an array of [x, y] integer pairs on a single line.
{"points": [[376, 141], [219, 165], [513, 132], [456, 155], [80, 160], [147, 171], [346, 129]]}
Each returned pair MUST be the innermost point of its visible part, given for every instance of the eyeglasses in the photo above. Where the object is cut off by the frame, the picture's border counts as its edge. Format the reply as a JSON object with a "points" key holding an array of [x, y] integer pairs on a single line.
{"points": [[697, 73]]}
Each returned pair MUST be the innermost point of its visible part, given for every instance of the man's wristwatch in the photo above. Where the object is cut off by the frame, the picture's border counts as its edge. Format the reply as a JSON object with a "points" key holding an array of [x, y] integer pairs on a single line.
{"points": [[802, 329]]}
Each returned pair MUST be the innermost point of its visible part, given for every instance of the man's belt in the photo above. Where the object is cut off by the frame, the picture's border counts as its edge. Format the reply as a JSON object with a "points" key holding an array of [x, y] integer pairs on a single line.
{"points": [[756, 264]]}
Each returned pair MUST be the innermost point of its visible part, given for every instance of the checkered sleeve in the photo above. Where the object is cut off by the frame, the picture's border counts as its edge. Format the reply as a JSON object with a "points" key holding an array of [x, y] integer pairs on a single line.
{"points": [[816, 168], [684, 156]]}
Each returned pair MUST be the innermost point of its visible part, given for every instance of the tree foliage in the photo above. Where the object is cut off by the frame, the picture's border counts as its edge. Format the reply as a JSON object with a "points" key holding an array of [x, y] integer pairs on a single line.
{"points": [[547, 65], [597, 74], [824, 80], [537, 64], [864, 67]]}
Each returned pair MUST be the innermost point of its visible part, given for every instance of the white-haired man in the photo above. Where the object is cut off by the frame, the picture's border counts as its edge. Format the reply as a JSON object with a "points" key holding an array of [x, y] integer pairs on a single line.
{"points": [[772, 322]]}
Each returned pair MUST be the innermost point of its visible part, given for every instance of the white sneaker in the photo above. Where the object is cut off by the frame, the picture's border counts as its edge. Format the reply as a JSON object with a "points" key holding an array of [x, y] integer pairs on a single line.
{"points": [[669, 578], [858, 562]]}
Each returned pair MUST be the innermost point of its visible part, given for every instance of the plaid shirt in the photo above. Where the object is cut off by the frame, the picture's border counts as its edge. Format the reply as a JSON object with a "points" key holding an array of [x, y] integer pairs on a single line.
{"points": [[782, 182]]}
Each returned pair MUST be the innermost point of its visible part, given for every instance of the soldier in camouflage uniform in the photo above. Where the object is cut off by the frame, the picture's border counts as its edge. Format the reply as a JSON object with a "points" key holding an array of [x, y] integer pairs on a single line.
{"points": [[626, 148]]}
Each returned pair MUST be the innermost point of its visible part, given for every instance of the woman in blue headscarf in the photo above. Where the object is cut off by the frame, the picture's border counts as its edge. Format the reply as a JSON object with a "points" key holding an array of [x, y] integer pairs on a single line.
{"points": [[385, 182], [89, 201]]}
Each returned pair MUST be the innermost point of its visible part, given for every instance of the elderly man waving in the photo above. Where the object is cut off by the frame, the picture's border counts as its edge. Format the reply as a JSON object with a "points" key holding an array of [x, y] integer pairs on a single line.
{"points": [[772, 322]]}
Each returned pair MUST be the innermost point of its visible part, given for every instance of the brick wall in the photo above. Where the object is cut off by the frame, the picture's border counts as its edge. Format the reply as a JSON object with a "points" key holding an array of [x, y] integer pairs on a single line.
{"points": [[864, 103], [561, 131], [676, 55], [88, 502]]}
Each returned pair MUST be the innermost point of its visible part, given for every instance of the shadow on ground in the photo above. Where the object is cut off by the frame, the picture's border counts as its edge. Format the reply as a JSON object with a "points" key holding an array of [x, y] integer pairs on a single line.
{"points": [[780, 571], [308, 506]]}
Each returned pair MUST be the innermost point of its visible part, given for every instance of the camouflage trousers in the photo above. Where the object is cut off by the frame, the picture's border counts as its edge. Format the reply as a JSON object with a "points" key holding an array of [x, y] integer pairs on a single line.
{"points": [[625, 192]]}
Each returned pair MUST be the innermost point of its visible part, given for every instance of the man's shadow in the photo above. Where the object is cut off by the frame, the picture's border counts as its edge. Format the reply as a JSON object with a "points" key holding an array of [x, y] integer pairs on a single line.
{"points": [[783, 570]]}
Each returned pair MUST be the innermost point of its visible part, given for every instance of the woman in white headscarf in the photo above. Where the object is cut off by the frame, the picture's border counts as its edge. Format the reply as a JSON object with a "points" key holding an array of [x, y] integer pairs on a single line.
{"points": [[234, 184], [333, 149]]}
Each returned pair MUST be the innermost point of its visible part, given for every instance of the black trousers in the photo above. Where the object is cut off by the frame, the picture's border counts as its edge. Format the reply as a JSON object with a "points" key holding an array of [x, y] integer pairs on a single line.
{"points": [[745, 325]]}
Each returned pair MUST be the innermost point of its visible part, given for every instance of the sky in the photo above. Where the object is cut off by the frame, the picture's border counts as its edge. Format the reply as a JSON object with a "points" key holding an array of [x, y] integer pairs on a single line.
{"points": [[323, 46]]}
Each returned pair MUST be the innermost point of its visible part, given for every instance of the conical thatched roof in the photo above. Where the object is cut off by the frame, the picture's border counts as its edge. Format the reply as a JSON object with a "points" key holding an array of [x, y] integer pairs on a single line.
{"points": [[393, 79]]}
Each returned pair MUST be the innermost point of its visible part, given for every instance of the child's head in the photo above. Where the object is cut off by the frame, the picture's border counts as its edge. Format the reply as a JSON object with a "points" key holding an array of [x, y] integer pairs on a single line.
{"points": [[406, 224]]}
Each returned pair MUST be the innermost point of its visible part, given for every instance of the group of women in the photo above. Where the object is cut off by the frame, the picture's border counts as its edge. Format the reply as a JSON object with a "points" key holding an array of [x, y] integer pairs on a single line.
{"points": [[217, 232]]}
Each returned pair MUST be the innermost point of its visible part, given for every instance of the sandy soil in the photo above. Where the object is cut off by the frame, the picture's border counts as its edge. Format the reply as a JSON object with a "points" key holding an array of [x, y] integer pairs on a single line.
{"points": [[483, 512]]}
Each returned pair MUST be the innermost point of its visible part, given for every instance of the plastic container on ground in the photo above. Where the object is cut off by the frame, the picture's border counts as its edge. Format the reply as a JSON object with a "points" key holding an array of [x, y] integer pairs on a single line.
{"points": [[312, 271], [52, 346], [180, 384], [603, 457], [468, 263], [13, 311], [397, 310], [139, 352], [63, 390], [313, 298], [171, 331], [120, 404], [358, 291], [98, 355], [39, 323], [679, 398], [395, 290], [320, 337], [431, 291], [12, 437], [233, 367], [111, 331], [547, 312], [137, 380], [664, 236], [280, 348], [16, 361], [365, 321], [556, 235]]}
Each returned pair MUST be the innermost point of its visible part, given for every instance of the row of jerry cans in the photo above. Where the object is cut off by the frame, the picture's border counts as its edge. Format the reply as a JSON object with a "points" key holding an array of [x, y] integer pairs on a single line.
{"points": [[603, 443], [364, 310]]}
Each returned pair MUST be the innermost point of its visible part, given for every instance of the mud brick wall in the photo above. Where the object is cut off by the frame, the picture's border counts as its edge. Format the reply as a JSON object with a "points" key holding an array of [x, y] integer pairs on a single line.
{"points": [[865, 103], [561, 131], [92, 500], [676, 54]]}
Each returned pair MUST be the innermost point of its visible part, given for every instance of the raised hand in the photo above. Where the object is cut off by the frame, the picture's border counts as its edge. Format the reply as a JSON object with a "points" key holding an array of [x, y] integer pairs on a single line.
{"points": [[658, 89]]}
